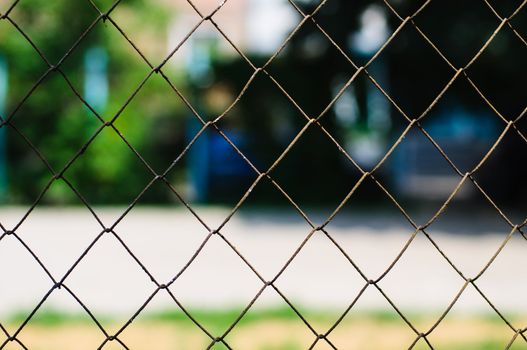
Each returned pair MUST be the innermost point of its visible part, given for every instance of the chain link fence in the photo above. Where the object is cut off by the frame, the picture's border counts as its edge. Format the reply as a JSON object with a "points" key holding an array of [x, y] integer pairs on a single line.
{"points": [[266, 175]]}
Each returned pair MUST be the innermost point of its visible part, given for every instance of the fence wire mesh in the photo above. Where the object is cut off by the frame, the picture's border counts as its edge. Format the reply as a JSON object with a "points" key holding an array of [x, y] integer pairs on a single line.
{"points": [[311, 122]]}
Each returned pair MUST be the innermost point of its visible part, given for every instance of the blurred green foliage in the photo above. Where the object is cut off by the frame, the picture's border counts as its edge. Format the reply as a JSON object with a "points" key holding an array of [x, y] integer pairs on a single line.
{"points": [[55, 120]]}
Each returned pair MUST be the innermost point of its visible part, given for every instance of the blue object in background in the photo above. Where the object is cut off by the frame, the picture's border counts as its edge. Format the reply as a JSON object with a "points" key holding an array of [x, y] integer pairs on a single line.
{"points": [[213, 165], [224, 160], [419, 170], [198, 164], [4, 78], [96, 78], [467, 126]]}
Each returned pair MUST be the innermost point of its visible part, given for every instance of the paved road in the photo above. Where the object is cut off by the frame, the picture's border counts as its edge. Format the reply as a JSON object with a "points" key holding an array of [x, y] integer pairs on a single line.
{"points": [[108, 280]]}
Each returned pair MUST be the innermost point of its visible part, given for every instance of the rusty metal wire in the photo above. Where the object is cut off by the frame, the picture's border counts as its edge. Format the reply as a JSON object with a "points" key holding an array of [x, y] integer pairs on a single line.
{"points": [[413, 122]]}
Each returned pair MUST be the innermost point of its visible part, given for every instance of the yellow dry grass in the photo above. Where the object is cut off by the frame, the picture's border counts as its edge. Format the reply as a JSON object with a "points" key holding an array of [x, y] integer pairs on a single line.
{"points": [[273, 334]]}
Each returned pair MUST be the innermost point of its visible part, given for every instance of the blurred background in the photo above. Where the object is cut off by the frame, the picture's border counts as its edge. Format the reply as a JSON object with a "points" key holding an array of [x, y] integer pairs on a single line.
{"points": [[105, 69], [110, 63]]}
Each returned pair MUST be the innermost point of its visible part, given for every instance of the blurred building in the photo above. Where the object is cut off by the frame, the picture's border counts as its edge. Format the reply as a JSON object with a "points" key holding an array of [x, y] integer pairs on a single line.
{"points": [[254, 26]]}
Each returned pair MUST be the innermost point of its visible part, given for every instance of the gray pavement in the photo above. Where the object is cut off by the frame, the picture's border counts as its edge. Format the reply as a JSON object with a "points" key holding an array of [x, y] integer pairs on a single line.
{"points": [[109, 281]]}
